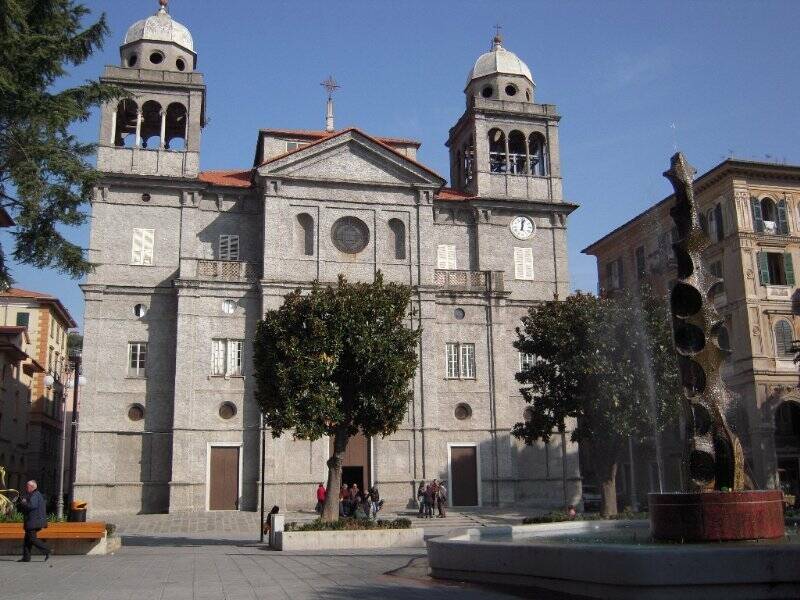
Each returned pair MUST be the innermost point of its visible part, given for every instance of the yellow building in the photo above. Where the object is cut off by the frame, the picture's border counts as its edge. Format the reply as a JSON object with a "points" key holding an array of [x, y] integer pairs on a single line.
{"points": [[751, 211], [35, 325]]}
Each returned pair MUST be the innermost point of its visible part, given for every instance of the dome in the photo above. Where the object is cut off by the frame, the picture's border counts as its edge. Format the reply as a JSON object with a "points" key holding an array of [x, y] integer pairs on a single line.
{"points": [[499, 60], [160, 28]]}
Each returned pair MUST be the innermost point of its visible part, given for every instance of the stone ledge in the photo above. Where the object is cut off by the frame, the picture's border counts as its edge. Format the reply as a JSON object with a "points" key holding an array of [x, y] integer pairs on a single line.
{"points": [[348, 540], [63, 547]]}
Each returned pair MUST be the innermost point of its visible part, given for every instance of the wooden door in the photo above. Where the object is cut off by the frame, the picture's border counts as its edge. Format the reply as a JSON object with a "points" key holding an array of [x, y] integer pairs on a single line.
{"points": [[464, 471], [355, 462], [224, 478]]}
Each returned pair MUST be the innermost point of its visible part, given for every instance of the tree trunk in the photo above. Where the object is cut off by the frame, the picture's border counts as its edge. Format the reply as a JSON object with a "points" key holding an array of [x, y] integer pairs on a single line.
{"points": [[604, 462], [330, 510]]}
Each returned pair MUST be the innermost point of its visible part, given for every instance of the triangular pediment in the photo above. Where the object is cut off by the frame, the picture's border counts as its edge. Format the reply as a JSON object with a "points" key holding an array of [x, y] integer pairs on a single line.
{"points": [[350, 157]]}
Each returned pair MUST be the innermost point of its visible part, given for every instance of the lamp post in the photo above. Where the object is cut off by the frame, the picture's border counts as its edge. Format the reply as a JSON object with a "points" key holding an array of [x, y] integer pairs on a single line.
{"points": [[77, 381], [49, 382]]}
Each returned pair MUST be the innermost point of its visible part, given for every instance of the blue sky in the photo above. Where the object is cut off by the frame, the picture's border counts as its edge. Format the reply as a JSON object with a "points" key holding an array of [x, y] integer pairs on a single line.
{"points": [[724, 72]]}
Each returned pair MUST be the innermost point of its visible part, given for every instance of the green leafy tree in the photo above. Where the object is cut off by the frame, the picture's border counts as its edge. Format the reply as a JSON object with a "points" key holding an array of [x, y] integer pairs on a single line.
{"points": [[335, 362], [44, 175], [608, 365]]}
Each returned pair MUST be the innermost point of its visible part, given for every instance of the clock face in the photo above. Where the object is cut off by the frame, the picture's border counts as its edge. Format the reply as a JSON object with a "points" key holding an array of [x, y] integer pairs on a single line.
{"points": [[522, 228]]}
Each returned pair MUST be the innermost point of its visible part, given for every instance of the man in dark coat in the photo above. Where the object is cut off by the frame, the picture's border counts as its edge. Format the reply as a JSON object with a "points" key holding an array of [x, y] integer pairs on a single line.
{"points": [[32, 506]]}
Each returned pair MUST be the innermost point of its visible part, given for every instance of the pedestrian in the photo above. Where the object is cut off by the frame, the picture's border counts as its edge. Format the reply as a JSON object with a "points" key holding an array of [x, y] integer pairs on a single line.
{"points": [[344, 501], [355, 498], [375, 500], [321, 494], [421, 498], [429, 501], [441, 500], [268, 525], [32, 505]]}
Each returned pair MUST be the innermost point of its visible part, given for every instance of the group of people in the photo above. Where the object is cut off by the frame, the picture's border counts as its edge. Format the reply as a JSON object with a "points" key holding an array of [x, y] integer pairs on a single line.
{"points": [[353, 502], [432, 496]]}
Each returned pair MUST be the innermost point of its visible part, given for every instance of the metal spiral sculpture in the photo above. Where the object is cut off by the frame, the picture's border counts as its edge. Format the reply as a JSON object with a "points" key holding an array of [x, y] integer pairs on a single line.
{"points": [[714, 454]]}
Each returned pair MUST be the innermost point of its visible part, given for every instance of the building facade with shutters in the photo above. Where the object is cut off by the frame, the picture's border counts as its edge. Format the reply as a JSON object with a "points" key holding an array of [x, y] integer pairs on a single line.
{"points": [[751, 211], [188, 261]]}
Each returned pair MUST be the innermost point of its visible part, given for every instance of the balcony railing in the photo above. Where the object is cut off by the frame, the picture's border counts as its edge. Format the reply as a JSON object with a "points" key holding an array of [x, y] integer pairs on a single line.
{"points": [[469, 281], [228, 270]]}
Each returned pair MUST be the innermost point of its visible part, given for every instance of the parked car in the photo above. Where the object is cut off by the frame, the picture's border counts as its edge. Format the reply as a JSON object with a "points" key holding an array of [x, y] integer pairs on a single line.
{"points": [[592, 501]]}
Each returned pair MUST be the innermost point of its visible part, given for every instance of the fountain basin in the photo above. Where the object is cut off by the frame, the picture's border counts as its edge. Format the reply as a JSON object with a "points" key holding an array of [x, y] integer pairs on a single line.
{"points": [[617, 559], [717, 516]]}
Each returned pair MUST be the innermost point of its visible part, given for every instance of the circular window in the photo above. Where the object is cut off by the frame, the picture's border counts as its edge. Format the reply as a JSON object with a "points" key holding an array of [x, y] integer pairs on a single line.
{"points": [[132, 60], [181, 64], [487, 91], [459, 313], [145, 197], [156, 58], [136, 412], [140, 310], [350, 235], [228, 307], [227, 410], [528, 415], [463, 412], [511, 90]]}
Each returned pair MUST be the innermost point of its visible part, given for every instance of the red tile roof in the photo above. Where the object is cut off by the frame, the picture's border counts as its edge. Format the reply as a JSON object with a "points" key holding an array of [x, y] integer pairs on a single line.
{"points": [[451, 195], [231, 178], [45, 298], [318, 134]]}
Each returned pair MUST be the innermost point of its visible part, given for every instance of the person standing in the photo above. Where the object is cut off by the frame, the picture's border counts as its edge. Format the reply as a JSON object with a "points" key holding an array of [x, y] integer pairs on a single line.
{"points": [[421, 498], [32, 505], [321, 494], [441, 500]]}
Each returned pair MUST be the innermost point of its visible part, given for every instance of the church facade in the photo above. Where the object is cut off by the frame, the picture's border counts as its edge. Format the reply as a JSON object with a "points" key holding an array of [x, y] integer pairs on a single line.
{"points": [[188, 261]]}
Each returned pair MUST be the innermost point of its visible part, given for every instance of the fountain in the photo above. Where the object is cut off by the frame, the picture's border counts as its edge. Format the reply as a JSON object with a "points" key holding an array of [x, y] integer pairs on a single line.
{"points": [[721, 539]]}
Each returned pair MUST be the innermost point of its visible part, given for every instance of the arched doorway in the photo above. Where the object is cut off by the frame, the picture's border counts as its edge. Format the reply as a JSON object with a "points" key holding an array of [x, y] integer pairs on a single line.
{"points": [[787, 447]]}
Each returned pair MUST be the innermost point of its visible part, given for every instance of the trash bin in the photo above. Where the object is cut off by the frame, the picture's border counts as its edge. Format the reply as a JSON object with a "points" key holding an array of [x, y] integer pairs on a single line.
{"points": [[77, 512]]}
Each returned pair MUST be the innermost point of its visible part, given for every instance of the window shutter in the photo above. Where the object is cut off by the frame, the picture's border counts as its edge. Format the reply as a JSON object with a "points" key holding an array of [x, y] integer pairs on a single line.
{"points": [[783, 221], [719, 222], [609, 275], [788, 268], [148, 238], [224, 247], [758, 219], [763, 268], [136, 248], [523, 263], [621, 274], [446, 258]]}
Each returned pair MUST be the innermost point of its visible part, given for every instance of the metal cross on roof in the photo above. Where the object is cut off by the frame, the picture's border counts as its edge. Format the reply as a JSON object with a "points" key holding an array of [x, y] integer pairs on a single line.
{"points": [[498, 36], [330, 85]]}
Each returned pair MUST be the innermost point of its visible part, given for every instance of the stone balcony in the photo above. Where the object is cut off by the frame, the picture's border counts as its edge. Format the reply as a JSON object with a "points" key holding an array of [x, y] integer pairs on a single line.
{"points": [[469, 281], [228, 270]]}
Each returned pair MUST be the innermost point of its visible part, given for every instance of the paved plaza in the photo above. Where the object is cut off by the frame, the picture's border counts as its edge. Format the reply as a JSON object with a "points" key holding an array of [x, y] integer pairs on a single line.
{"points": [[214, 556]]}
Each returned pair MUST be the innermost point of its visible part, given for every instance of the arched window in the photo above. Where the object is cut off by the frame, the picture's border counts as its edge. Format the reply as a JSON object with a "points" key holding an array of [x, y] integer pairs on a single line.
{"points": [[469, 160], [784, 334], [397, 239], [175, 127], [150, 132], [517, 153], [538, 156], [459, 168], [769, 213], [497, 151], [125, 122], [304, 234]]}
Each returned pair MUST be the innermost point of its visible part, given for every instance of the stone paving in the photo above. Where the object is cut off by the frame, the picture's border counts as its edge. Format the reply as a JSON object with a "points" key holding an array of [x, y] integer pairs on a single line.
{"points": [[210, 556]]}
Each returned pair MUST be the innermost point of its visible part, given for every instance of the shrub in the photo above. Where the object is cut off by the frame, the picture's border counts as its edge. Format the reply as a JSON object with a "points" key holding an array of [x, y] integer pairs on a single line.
{"points": [[349, 525], [561, 516]]}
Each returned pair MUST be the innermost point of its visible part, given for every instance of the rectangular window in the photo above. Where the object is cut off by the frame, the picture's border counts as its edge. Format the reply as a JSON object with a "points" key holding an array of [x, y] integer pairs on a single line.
{"points": [[226, 357], [526, 361], [614, 274], [23, 319], [775, 268], [137, 359], [446, 258], [468, 361], [291, 146], [229, 247], [641, 264], [523, 263], [142, 248]]}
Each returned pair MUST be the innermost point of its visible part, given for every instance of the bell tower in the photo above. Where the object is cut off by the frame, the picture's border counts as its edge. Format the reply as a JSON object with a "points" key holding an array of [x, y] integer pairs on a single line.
{"points": [[505, 145], [155, 131]]}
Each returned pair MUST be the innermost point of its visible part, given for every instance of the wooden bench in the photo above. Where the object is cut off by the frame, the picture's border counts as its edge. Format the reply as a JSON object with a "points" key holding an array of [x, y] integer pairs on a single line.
{"points": [[56, 531]]}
